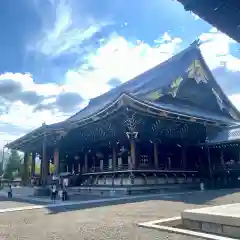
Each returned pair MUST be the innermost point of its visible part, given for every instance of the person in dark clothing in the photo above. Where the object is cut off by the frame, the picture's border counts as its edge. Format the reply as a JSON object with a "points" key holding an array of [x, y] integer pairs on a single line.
{"points": [[10, 191]]}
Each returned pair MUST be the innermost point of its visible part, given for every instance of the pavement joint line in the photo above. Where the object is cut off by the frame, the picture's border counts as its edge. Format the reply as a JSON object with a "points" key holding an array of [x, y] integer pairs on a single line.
{"points": [[155, 225]]}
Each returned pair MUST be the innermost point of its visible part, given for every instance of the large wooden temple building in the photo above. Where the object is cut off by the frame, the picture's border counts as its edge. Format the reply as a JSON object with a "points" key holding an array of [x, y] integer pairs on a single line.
{"points": [[158, 130]]}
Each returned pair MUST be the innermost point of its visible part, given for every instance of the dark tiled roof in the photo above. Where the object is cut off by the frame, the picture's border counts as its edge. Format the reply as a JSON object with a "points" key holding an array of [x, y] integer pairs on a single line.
{"points": [[195, 112], [37, 132], [226, 135], [222, 14], [161, 78]]}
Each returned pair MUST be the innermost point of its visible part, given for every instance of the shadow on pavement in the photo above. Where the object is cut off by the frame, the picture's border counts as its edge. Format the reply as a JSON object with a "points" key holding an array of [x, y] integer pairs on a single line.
{"points": [[196, 198], [20, 200]]}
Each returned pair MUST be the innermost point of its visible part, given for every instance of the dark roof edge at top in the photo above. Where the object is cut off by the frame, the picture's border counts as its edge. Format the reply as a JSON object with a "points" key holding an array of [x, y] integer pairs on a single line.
{"points": [[213, 11]]}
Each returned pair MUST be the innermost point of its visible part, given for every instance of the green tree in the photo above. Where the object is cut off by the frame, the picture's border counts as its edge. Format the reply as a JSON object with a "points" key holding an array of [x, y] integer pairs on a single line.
{"points": [[13, 166]]}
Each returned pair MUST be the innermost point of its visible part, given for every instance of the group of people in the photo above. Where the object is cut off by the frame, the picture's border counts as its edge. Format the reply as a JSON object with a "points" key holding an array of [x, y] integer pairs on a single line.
{"points": [[54, 192], [62, 193]]}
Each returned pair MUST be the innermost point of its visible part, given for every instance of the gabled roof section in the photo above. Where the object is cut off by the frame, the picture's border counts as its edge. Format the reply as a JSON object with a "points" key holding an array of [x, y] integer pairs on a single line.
{"points": [[183, 79], [158, 76]]}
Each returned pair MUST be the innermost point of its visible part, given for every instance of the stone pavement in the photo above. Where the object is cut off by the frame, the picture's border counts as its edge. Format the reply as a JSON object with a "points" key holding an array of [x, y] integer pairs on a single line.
{"points": [[110, 220], [41, 202]]}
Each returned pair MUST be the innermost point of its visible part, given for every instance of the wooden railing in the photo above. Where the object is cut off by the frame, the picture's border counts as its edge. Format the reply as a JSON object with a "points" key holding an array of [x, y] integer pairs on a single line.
{"points": [[139, 168]]}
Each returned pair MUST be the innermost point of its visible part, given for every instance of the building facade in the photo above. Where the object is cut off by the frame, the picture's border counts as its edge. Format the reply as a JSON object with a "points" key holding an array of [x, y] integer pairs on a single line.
{"points": [[153, 131]]}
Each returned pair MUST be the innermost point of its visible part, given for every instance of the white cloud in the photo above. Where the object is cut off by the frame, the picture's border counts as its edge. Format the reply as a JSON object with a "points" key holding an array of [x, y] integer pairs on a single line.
{"points": [[120, 59], [65, 34], [195, 16], [216, 50], [23, 116], [235, 99], [6, 138], [28, 83]]}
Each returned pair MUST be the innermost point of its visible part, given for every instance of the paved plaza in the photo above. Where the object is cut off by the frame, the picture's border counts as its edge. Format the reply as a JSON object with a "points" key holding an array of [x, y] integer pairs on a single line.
{"points": [[104, 220]]}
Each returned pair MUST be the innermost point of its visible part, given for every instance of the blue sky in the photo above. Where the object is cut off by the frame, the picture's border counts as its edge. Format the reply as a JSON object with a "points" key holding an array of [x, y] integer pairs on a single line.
{"points": [[58, 54]]}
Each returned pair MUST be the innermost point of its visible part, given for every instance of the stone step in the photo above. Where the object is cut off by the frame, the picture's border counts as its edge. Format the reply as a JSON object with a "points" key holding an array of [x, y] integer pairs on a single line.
{"points": [[223, 220]]}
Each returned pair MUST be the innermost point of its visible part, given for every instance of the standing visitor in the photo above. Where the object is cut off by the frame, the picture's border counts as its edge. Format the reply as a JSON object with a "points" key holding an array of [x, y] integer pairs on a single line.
{"points": [[54, 193], [10, 191], [64, 193]]}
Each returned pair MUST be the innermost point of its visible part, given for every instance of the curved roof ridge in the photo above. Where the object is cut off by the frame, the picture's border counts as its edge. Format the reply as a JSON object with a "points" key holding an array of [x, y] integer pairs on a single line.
{"points": [[194, 45], [135, 82]]}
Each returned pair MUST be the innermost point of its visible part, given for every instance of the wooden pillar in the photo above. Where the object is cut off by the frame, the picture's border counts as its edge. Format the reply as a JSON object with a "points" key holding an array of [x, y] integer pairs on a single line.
{"points": [[44, 162], [33, 166], [222, 156], [209, 163], [25, 167], [169, 163], [184, 158], [101, 165], [73, 170], [86, 162], [238, 154], [119, 164], [56, 161], [155, 149], [41, 167], [48, 166], [110, 163], [132, 163], [114, 158]]}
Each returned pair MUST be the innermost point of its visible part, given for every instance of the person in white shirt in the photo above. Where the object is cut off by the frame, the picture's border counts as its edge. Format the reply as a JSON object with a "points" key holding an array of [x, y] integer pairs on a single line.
{"points": [[54, 193]]}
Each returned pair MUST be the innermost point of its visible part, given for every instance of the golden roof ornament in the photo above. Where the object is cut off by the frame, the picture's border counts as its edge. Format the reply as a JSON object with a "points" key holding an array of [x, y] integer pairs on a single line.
{"points": [[153, 96], [175, 86], [196, 72]]}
